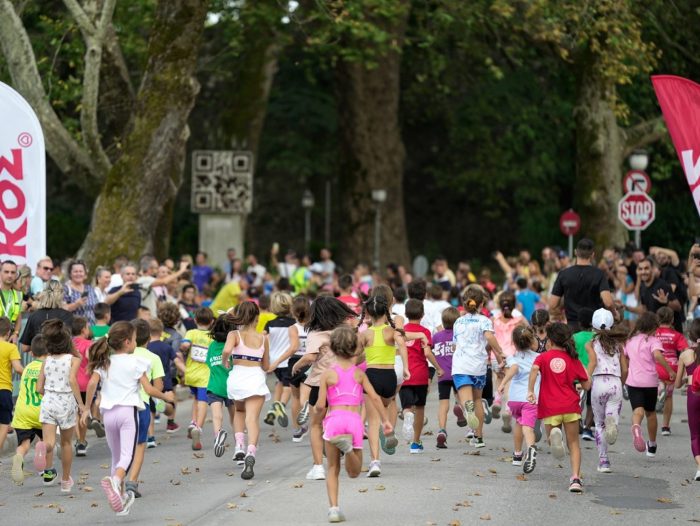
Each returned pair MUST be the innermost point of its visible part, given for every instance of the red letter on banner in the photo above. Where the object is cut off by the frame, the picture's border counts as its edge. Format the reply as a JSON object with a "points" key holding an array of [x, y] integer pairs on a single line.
{"points": [[14, 168], [10, 247]]}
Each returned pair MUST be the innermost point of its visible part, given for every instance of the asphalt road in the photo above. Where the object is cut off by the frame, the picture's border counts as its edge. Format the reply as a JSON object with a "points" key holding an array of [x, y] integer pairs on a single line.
{"points": [[441, 487]]}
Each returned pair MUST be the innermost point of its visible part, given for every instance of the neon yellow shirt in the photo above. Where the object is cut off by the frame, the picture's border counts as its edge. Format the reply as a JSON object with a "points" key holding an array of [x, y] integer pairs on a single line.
{"points": [[263, 319], [229, 296], [8, 352], [155, 371], [196, 368], [29, 401]]}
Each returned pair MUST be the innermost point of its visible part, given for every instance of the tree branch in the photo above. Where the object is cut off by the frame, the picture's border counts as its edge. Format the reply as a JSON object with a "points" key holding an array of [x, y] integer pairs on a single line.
{"points": [[682, 50], [87, 28], [21, 61], [642, 134]]}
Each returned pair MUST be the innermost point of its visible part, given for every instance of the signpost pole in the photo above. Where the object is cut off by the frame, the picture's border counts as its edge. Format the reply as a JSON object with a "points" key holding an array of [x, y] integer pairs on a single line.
{"points": [[571, 246], [638, 238]]}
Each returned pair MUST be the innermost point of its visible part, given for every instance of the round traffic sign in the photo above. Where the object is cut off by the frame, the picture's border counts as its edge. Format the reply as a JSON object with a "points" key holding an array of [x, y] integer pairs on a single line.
{"points": [[569, 223], [636, 181], [636, 211]]}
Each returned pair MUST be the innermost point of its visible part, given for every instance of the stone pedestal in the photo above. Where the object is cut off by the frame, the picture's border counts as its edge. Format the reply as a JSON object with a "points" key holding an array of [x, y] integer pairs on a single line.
{"points": [[218, 233]]}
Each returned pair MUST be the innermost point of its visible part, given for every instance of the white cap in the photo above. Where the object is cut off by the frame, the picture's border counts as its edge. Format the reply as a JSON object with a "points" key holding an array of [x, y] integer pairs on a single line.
{"points": [[602, 319]]}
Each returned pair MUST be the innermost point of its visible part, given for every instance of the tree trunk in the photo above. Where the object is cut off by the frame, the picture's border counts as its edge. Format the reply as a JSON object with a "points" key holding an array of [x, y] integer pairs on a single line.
{"points": [[149, 172], [599, 158], [372, 153]]}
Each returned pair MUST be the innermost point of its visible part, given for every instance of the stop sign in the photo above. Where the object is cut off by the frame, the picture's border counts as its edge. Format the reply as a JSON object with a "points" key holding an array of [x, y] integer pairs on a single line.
{"points": [[569, 223], [636, 211]]}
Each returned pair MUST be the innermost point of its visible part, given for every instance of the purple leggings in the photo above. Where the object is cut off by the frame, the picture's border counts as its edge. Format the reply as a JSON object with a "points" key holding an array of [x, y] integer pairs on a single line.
{"points": [[694, 416], [121, 423]]}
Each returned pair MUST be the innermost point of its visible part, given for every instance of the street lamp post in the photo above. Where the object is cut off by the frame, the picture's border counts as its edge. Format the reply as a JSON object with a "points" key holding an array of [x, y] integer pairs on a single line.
{"points": [[638, 160], [307, 203], [378, 196]]}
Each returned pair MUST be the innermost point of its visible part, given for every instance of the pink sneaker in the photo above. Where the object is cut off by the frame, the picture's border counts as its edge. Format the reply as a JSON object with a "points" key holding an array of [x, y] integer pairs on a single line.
{"points": [[40, 456], [638, 439], [112, 489], [67, 485]]}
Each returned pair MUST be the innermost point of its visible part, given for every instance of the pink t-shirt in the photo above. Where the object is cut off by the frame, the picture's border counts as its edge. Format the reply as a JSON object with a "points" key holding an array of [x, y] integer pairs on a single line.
{"points": [[82, 345], [503, 330], [642, 365]]}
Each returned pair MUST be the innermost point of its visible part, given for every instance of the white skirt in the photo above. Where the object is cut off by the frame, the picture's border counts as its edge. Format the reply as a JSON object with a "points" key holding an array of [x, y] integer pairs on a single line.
{"points": [[244, 382]]}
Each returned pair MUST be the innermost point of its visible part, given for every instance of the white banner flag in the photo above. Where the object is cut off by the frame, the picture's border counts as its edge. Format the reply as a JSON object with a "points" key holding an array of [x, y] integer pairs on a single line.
{"points": [[22, 181]]}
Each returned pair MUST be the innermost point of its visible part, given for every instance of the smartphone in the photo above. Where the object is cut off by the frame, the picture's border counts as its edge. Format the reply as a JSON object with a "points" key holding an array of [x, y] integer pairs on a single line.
{"points": [[135, 286], [85, 294]]}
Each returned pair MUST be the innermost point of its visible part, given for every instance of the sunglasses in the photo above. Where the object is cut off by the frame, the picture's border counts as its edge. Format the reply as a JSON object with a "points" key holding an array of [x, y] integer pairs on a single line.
{"points": [[47, 268]]}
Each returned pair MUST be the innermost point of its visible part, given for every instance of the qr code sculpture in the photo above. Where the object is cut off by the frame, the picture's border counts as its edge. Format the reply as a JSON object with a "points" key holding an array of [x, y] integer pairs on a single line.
{"points": [[222, 182]]}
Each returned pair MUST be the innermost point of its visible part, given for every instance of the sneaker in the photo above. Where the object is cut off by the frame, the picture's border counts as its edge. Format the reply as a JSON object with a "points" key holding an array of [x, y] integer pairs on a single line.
{"points": [[303, 416], [342, 442], [270, 417], [299, 434], [538, 430], [196, 438], [18, 468], [442, 439], [587, 435], [661, 400], [132, 486], [172, 427], [407, 428], [375, 469], [478, 442], [112, 489], [97, 426], [151, 443], [156, 420], [638, 438], [281, 412], [472, 419], [556, 443], [506, 427], [40, 456], [220, 443], [317, 472], [517, 459], [697, 476], [666, 431], [127, 503], [81, 449], [651, 450], [190, 428], [248, 472], [388, 442], [470, 433], [415, 448], [49, 476], [459, 413], [610, 433], [488, 417], [604, 466], [575, 485], [335, 515], [239, 455], [67, 485], [496, 410], [530, 460]]}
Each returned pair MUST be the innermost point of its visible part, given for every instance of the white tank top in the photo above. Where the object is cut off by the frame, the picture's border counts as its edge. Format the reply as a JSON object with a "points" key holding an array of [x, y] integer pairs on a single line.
{"points": [[606, 364], [57, 373]]}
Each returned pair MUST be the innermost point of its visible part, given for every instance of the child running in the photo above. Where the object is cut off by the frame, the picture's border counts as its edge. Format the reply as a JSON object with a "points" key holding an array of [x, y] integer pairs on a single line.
{"points": [[688, 363], [82, 342], [341, 387], [524, 412], [300, 391], [217, 390], [608, 373], [559, 403], [281, 349], [58, 384], [112, 362], [25, 421], [10, 360], [642, 350], [674, 344], [443, 349], [472, 333], [246, 384]]}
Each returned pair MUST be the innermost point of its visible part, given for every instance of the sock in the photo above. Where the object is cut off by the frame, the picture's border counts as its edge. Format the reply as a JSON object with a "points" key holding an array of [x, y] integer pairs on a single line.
{"points": [[240, 440], [652, 444], [517, 453], [171, 421], [252, 450]]}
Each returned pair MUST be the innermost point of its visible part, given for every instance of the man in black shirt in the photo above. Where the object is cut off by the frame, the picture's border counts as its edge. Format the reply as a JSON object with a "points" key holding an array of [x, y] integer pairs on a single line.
{"points": [[581, 285], [655, 293]]}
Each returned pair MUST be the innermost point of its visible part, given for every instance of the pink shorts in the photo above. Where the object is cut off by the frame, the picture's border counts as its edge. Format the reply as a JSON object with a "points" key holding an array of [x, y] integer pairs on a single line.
{"points": [[341, 422], [524, 413]]}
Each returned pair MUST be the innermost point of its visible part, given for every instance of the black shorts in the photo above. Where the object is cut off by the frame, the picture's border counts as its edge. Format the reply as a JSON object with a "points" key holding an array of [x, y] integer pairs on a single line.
{"points": [[445, 388], [297, 379], [589, 400], [214, 398], [313, 396], [643, 397], [383, 381], [282, 374], [413, 395], [6, 406], [431, 373], [28, 434]]}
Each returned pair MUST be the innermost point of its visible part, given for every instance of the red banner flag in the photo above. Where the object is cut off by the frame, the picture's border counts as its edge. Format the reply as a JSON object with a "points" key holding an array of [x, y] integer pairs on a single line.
{"points": [[679, 99]]}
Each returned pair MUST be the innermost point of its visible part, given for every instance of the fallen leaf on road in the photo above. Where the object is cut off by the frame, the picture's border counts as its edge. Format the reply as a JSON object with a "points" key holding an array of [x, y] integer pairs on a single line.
{"points": [[52, 505], [156, 461], [232, 505], [60, 510], [362, 490], [472, 453], [275, 438], [298, 485], [104, 466], [197, 455], [251, 484], [428, 433], [435, 488], [435, 459], [636, 476], [94, 505], [491, 470], [521, 477], [505, 459], [485, 517], [175, 482], [464, 504], [552, 496], [664, 500], [196, 470], [477, 494], [477, 474], [87, 488], [379, 487], [39, 494], [430, 523], [37, 505], [454, 522], [185, 471], [230, 473], [615, 512], [243, 494], [84, 473]]}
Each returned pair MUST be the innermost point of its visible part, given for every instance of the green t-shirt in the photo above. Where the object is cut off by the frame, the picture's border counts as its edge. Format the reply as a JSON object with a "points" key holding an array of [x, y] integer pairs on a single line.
{"points": [[581, 339], [154, 372], [218, 374], [98, 331]]}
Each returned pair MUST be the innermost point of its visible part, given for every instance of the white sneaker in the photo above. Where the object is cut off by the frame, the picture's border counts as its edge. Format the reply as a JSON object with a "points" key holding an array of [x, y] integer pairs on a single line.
{"points": [[317, 472], [375, 469], [469, 433], [128, 501], [556, 443], [407, 429], [610, 433], [697, 476], [335, 515]]}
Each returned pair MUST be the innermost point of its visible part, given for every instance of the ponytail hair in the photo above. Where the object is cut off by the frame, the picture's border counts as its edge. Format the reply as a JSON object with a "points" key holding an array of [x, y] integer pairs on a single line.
{"points": [[119, 334], [473, 299], [560, 335], [523, 338], [377, 306], [57, 337], [244, 314]]}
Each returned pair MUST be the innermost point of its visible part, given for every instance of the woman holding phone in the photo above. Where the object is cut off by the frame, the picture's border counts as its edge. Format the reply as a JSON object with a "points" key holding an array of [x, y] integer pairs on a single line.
{"points": [[79, 297]]}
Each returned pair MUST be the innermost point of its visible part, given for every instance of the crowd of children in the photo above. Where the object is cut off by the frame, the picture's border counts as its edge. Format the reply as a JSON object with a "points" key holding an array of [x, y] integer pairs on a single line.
{"points": [[342, 366]]}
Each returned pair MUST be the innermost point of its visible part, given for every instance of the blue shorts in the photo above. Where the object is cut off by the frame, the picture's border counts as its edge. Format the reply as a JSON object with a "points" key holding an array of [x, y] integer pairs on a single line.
{"points": [[469, 380], [200, 393], [144, 422], [213, 398]]}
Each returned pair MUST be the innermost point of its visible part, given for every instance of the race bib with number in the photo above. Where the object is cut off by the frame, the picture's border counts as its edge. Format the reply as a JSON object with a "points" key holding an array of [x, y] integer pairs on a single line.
{"points": [[199, 353]]}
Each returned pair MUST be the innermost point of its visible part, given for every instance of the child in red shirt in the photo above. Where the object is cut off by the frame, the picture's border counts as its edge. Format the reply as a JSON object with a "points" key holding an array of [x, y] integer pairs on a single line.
{"points": [[558, 405], [673, 343], [414, 391], [82, 341]]}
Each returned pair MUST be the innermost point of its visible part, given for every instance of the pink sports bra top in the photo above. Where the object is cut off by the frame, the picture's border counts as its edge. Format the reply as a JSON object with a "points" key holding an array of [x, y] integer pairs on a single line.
{"points": [[346, 391], [243, 352]]}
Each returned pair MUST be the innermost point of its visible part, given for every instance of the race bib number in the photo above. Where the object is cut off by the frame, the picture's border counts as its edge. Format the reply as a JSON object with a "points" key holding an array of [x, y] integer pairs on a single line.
{"points": [[199, 354]]}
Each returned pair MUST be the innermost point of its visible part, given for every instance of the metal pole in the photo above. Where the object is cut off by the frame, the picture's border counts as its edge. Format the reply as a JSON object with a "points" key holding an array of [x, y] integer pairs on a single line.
{"points": [[327, 236], [638, 238], [377, 234], [571, 246], [307, 229]]}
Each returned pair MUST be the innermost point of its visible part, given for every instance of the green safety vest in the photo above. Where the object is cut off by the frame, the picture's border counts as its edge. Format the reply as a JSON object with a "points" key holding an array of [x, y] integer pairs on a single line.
{"points": [[11, 307], [298, 279]]}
